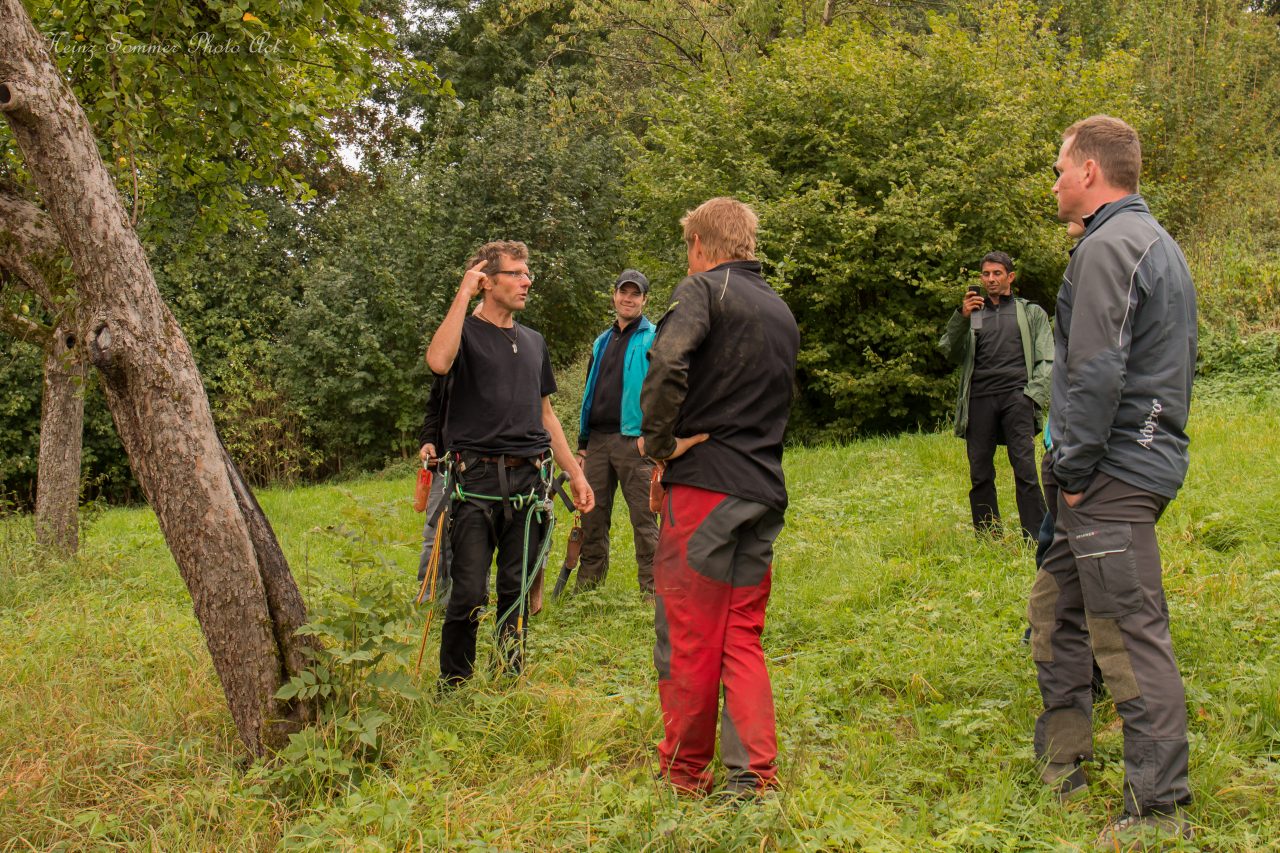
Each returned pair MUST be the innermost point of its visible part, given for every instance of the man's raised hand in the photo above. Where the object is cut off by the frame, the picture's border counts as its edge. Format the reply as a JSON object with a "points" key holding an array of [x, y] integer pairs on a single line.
{"points": [[473, 280]]}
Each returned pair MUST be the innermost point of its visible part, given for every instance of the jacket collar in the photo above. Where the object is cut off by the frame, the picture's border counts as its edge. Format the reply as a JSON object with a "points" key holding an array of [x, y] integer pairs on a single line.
{"points": [[639, 325], [1132, 203], [745, 266]]}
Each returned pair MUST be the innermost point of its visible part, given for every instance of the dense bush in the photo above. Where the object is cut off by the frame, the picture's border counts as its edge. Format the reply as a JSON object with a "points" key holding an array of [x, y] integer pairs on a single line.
{"points": [[883, 169], [1234, 252]]}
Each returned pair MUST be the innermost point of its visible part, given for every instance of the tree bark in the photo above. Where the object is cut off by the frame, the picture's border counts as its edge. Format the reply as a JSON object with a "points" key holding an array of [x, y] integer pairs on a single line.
{"points": [[157, 398], [29, 252], [61, 440]]}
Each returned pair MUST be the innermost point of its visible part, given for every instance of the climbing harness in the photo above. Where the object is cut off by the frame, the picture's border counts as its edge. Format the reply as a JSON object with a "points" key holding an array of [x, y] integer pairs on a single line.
{"points": [[539, 502]]}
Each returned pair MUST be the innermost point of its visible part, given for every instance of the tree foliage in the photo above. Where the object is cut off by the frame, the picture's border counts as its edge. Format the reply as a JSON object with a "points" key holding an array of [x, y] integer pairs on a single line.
{"points": [[388, 262], [887, 148], [882, 170], [195, 102]]}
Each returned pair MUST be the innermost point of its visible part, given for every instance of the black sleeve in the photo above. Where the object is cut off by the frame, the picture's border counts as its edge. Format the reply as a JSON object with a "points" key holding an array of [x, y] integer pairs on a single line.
{"points": [[680, 331], [429, 432], [548, 375]]}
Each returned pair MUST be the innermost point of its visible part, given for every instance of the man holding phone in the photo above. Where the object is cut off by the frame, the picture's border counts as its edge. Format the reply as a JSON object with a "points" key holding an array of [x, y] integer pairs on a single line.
{"points": [[1004, 346]]}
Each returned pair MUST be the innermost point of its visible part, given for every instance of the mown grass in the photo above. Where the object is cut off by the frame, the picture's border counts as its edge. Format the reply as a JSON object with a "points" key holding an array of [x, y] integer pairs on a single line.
{"points": [[905, 699]]}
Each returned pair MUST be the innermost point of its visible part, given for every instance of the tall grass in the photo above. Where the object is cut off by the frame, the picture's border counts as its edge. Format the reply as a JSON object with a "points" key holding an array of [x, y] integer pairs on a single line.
{"points": [[905, 699]]}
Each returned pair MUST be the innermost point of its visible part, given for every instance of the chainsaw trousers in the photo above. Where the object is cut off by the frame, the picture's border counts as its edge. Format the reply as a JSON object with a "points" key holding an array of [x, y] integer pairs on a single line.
{"points": [[713, 572]]}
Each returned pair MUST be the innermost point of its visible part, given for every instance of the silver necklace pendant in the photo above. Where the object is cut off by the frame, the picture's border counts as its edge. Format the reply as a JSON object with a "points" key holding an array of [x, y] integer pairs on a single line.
{"points": [[514, 349]]}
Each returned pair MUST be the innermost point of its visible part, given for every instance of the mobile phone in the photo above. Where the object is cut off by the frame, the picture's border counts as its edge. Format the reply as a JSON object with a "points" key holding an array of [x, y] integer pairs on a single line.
{"points": [[975, 318]]}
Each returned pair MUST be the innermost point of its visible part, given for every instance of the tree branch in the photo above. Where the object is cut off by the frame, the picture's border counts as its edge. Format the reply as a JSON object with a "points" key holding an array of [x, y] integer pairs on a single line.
{"points": [[28, 241], [27, 225], [724, 55], [26, 329]]}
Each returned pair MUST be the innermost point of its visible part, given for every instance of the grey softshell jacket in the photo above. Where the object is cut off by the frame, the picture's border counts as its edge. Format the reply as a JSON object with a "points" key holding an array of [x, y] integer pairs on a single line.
{"points": [[959, 345], [1125, 343]]}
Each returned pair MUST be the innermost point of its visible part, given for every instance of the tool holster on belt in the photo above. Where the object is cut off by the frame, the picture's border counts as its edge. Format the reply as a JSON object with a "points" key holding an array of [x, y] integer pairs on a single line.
{"points": [[572, 552]]}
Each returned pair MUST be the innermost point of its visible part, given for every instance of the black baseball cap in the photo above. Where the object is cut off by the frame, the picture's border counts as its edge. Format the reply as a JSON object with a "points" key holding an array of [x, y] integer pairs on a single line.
{"points": [[635, 277]]}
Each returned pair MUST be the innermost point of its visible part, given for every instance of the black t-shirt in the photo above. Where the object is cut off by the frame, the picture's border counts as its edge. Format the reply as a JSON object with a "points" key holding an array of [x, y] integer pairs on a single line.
{"points": [[495, 401], [999, 364], [606, 401]]}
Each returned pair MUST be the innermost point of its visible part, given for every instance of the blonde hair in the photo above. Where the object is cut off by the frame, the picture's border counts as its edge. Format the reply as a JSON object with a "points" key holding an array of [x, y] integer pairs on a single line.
{"points": [[491, 252], [726, 227], [1112, 144]]}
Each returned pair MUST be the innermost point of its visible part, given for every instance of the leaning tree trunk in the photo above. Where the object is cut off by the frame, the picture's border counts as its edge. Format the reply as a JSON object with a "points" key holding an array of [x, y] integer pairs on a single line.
{"points": [[246, 601], [61, 441]]}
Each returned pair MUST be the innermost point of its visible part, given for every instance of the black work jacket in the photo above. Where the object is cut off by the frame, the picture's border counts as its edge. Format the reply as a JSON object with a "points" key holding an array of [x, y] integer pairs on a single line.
{"points": [[723, 362]]}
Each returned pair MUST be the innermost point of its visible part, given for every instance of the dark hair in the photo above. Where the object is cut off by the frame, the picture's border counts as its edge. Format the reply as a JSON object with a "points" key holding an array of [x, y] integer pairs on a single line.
{"points": [[999, 258]]}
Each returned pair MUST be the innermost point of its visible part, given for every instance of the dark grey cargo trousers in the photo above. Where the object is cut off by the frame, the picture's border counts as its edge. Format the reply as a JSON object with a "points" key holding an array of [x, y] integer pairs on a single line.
{"points": [[613, 460], [1100, 584]]}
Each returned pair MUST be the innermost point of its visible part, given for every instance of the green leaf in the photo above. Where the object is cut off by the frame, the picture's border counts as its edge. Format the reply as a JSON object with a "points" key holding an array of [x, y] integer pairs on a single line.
{"points": [[288, 691]]}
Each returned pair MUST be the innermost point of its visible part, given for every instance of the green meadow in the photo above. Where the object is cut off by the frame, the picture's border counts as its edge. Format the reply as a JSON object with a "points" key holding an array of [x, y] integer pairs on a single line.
{"points": [[905, 697]]}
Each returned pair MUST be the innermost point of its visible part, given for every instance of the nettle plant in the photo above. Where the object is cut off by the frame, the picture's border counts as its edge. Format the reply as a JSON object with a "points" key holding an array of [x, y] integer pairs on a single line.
{"points": [[360, 670]]}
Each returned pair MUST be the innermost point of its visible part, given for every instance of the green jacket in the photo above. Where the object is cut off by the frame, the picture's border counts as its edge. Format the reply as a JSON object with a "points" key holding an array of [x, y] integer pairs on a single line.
{"points": [[1037, 348]]}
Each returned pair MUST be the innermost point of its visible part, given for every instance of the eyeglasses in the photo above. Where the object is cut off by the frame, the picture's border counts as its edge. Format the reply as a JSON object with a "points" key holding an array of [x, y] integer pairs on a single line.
{"points": [[517, 274]]}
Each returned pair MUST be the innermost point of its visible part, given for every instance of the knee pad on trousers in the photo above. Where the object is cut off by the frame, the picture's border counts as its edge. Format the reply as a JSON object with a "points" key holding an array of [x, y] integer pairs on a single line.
{"points": [[1064, 736]]}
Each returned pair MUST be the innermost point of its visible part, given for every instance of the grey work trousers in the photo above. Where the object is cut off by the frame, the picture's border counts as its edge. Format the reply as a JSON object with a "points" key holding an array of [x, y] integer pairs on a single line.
{"points": [[613, 460], [1100, 585], [435, 502]]}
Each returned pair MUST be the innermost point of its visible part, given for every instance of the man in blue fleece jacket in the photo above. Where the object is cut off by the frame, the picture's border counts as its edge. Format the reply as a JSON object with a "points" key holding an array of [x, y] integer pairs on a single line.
{"points": [[609, 427]]}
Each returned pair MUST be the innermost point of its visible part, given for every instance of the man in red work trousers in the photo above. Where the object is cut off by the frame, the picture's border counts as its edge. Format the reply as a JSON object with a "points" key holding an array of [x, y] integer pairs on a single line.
{"points": [[715, 404]]}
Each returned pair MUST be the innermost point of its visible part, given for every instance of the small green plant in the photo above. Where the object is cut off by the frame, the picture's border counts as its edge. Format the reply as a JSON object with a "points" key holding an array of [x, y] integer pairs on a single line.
{"points": [[358, 821], [359, 671]]}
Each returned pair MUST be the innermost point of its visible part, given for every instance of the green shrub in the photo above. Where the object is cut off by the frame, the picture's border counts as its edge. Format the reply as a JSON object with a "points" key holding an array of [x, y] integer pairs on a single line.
{"points": [[882, 169], [359, 671]]}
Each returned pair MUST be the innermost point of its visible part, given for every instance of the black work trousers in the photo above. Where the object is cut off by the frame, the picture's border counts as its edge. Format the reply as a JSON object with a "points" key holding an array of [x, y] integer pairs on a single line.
{"points": [[477, 528], [1011, 418]]}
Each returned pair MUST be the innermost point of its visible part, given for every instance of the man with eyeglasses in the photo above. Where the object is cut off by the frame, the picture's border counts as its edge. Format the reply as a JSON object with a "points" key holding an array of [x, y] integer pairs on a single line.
{"points": [[498, 427], [609, 432]]}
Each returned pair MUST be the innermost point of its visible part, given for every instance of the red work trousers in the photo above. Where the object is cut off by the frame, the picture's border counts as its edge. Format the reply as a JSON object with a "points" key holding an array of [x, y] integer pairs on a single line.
{"points": [[712, 572]]}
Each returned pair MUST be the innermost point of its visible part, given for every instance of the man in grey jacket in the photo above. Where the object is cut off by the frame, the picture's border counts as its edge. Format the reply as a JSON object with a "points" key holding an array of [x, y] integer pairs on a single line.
{"points": [[1125, 355]]}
